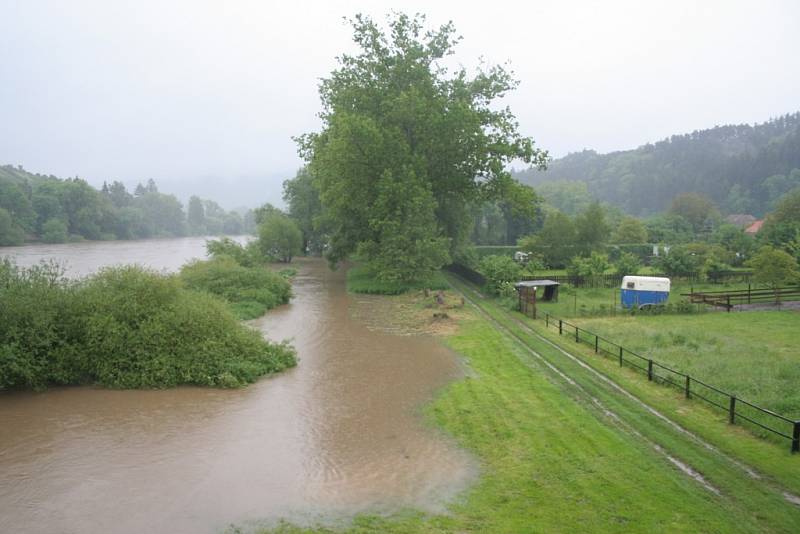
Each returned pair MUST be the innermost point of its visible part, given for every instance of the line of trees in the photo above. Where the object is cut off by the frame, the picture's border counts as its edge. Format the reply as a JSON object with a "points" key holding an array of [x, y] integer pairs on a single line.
{"points": [[46, 208]]}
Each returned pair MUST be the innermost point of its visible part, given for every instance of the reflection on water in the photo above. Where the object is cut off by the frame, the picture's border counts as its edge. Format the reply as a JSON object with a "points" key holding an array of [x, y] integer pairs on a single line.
{"points": [[87, 257], [338, 434]]}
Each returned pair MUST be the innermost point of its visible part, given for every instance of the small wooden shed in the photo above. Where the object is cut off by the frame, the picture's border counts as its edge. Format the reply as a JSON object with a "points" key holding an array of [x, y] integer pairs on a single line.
{"points": [[526, 291]]}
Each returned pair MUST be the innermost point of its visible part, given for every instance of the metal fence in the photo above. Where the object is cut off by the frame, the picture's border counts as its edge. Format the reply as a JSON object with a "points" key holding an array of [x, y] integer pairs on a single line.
{"points": [[738, 410]]}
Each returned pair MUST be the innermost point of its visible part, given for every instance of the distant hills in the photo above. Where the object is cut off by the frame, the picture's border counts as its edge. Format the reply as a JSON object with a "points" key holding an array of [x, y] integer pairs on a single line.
{"points": [[741, 168]]}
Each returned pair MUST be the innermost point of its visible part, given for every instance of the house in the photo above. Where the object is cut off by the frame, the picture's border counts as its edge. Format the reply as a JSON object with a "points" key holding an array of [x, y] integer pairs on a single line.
{"points": [[754, 228], [742, 220]]}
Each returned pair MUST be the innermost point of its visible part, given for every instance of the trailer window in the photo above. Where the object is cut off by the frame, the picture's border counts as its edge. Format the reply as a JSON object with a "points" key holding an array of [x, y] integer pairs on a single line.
{"points": [[631, 285]]}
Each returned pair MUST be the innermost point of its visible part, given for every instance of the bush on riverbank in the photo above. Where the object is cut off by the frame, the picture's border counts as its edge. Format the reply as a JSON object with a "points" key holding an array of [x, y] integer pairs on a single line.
{"points": [[360, 279], [125, 327], [250, 291]]}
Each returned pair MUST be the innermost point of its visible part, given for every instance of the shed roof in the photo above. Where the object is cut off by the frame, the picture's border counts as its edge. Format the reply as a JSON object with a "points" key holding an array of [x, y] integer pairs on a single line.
{"points": [[536, 283]]}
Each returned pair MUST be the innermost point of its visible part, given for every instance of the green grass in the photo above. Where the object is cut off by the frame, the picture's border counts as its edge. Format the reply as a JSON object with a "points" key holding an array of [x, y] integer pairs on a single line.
{"points": [[605, 301], [754, 355], [361, 280], [552, 462], [249, 290]]}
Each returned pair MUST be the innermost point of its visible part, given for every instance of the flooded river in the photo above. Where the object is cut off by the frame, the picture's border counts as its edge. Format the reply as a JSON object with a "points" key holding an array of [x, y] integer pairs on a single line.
{"points": [[339, 434]]}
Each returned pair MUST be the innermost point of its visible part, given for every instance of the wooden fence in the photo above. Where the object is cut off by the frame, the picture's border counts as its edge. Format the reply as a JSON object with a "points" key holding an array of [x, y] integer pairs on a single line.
{"points": [[729, 299]]}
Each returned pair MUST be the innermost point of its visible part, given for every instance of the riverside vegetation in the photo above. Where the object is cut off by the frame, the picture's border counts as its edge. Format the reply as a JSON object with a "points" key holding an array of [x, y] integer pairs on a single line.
{"points": [[129, 327]]}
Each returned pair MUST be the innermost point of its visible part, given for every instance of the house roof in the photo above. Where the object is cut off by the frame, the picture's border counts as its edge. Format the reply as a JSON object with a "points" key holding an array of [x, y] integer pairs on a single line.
{"points": [[741, 219], [755, 227], [536, 283]]}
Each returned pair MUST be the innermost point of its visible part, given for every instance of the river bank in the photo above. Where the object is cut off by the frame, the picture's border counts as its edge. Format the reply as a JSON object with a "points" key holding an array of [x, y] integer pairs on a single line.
{"points": [[336, 436], [562, 454]]}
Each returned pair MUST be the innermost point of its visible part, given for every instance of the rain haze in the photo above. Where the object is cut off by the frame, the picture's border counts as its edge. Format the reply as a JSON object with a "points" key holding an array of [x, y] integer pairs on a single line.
{"points": [[204, 97]]}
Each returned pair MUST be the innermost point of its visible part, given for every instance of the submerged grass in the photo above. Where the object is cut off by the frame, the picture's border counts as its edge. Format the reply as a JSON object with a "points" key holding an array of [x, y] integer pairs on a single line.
{"points": [[125, 327], [360, 279], [553, 462]]}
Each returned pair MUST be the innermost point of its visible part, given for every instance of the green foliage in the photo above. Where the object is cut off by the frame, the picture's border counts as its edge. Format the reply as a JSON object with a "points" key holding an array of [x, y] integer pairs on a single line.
{"points": [[695, 208], [591, 229], [556, 242], [630, 230], [567, 197], [248, 255], [741, 168], [627, 264], [407, 148], [10, 233], [250, 291], [279, 237], [54, 231], [302, 196], [499, 271], [125, 327], [595, 265], [362, 279], [110, 213], [774, 268]]}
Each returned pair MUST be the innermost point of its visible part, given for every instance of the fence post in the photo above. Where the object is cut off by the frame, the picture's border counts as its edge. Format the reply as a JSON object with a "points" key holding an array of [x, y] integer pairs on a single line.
{"points": [[596, 343], [620, 356], [748, 293], [796, 437], [546, 320], [559, 327], [729, 304], [650, 370], [577, 339], [732, 410], [688, 387]]}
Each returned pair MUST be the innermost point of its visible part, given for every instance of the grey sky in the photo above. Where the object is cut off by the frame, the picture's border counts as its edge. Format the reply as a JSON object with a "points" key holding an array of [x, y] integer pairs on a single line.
{"points": [[204, 96]]}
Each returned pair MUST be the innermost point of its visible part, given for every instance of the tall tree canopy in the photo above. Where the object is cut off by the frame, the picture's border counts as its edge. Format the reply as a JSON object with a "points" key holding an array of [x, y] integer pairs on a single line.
{"points": [[406, 145]]}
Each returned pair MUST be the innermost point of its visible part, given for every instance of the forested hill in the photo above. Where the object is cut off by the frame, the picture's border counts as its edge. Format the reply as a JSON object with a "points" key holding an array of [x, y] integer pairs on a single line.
{"points": [[742, 168]]}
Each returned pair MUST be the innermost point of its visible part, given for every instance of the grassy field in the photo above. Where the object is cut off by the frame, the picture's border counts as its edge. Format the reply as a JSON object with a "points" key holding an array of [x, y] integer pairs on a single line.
{"points": [[553, 461], [583, 302], [755, 355], [361, 280]]}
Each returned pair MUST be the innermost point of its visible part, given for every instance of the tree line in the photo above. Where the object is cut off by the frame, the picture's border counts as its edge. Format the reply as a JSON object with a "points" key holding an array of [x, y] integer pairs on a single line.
{"points": [[54, 210]]}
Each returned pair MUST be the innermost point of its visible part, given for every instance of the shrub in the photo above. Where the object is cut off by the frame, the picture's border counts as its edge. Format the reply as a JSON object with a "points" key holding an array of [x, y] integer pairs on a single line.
{"points": [[497, 270], [249, 255], [250, 291], [362, 279], [54, 231], [627, 264], [125, 327]]}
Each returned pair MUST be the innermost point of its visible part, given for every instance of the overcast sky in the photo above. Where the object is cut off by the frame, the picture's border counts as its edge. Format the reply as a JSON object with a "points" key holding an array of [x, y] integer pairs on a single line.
{"points": [[205, 96]]}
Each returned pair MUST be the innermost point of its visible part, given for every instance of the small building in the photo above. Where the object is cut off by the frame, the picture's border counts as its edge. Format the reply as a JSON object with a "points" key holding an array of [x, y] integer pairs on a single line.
{"points": [[521, 257], [742, 220], [754, 228], [526, 291], [644, 291]]}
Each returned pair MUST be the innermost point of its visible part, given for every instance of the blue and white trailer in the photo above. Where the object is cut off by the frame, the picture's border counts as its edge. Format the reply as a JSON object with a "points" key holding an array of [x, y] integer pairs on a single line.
{"points": [[644, 291]]}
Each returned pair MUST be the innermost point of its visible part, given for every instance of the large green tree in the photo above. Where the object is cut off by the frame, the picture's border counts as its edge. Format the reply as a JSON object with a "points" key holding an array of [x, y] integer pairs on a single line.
{"points": [[407, 145], [302, 196]]}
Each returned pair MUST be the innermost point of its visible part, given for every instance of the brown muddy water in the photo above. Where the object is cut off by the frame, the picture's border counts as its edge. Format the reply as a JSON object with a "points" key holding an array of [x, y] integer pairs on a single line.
{"points": [[339, 434]]}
